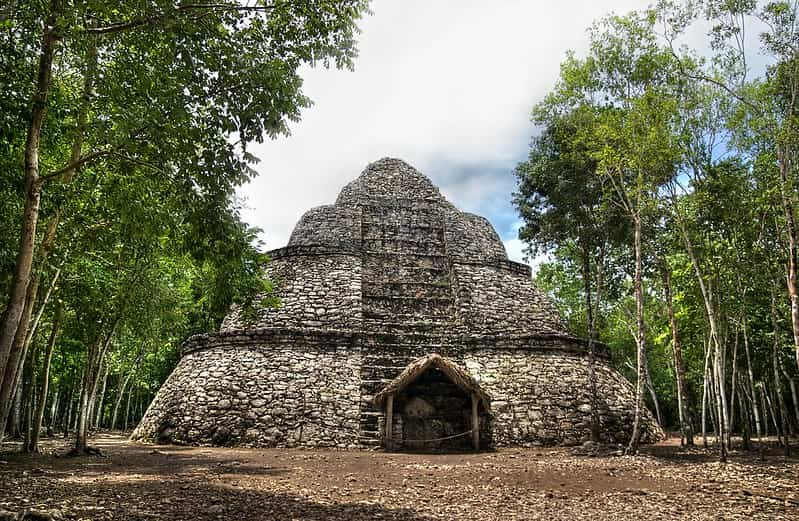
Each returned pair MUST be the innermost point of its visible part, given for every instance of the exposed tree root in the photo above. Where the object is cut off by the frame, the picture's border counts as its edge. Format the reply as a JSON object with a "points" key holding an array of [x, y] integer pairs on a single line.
{"points": [[87, 451]]}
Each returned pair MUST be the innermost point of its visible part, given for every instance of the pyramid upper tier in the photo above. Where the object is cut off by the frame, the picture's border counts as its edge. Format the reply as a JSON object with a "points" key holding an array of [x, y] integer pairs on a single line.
{"points": [[392, 254]]}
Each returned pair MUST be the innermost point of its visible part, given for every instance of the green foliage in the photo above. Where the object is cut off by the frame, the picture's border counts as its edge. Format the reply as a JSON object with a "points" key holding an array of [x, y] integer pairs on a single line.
{"points": [[162, 100], [643, 125]]}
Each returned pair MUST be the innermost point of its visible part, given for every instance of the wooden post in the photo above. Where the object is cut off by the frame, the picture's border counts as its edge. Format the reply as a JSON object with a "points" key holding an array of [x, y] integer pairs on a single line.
{"points": [[475, 423], [389, 418]]}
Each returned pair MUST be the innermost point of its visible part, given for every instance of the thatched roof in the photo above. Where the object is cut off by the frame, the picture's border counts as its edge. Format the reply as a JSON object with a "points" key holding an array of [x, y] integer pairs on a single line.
{"points": [[415, 369]]}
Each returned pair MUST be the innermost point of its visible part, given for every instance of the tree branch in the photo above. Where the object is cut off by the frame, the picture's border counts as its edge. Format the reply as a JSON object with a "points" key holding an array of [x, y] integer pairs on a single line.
{"points": [[72, 166], [183, 8]]}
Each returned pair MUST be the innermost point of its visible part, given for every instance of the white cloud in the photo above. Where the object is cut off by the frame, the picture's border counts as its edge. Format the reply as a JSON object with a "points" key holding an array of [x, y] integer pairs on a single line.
{"points": [[446, 85]]}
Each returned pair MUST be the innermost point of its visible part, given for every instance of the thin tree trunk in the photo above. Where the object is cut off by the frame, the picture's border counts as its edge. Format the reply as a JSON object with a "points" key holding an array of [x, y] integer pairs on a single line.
{"points": [[24, 335], [650, 386], [123, 382], [68, 408], [99, 416], [792, 384], [94, 359], [30, 217], [56, 402], [679, 366], [127, 410], [746, 426], [124, 385], [28, 398], [590, 318], [48, 357], [635, 439], [704, 397], [733, 389], [718, 378], [764, 407], [708, 299], [93, 396], [787, 191], [755, 408], [776, 366]]}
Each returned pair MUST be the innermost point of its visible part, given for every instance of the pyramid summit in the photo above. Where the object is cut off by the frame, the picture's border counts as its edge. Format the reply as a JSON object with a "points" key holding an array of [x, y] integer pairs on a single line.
{"points": [[391, 293]]}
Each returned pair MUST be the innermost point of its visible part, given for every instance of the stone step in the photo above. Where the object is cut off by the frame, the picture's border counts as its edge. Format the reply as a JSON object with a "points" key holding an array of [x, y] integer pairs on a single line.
{"points": [[368, 423], [406, 247], [413, 215], [406, 275], [378, 261], [420, 322], [401, 230], [406, 308], [407, 289]]}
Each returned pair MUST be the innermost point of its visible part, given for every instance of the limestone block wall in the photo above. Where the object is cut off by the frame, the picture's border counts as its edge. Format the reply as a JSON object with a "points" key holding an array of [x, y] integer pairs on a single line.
{"points": [[472, 238], [496, 297], [290, 387], [315, 290], [543, 398], [391, 179], [270, 393], [330, 225]]}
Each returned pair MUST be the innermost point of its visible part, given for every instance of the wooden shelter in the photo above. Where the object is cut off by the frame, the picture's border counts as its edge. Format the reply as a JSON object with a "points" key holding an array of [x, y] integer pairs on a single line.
{"points": [[456, 374]]}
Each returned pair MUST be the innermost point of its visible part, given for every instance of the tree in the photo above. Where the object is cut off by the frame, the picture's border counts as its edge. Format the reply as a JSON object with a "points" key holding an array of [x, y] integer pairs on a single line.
{"points": [[561, 201], [623, 94], [176, 89]]}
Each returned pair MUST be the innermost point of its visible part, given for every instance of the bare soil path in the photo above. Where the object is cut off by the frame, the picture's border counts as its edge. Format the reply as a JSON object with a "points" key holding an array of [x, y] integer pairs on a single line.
{"points": [[146, 482]]}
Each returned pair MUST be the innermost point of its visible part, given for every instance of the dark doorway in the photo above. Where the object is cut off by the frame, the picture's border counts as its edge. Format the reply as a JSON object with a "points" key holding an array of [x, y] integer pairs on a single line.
{"points": [[434, 414]]}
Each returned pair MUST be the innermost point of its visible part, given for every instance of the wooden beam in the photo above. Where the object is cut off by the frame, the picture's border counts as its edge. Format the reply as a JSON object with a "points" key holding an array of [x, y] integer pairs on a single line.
{"points": [[475, 423], [389, 436]]}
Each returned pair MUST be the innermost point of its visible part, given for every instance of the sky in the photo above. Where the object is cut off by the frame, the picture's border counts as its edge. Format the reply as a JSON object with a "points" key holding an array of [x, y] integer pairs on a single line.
{"points": [[447, 86]]}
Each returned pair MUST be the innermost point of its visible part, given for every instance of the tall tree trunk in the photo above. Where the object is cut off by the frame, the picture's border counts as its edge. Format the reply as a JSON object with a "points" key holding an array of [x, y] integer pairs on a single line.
{"points": [[635, 438], [751, 382], [746, 426], [90, 377], [733, 389], [90, 413], [787, 191], [764, 407], [30, 217], [718, 388], [68, 409], [127, 409], [24, 334], [48, 357], [705, 380], [650, 386], [775, 348], [792, 385], [99, 416], [708, 299], [590, 318], [124, 384], [28, 393], [679, 366], [51, 422]]}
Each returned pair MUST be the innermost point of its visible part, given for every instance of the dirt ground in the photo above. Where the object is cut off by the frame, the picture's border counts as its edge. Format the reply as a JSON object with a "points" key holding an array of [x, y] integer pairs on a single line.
{"points": [[146, 482]]}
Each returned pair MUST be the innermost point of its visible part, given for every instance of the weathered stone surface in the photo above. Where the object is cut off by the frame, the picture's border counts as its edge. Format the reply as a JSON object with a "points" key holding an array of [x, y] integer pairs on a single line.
{"points": [[389, 273]]}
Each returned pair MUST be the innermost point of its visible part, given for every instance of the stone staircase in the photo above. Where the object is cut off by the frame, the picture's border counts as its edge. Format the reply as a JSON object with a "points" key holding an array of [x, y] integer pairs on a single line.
{"points": [[406, 288]]}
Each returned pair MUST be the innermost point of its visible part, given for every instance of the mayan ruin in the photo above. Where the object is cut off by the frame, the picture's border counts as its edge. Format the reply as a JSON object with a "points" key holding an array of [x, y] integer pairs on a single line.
{"points": [[402, 324]]}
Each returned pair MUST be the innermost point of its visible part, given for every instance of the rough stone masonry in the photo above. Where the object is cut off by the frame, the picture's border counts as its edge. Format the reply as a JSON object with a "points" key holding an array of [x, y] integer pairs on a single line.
{"points": [[390, 273]]}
